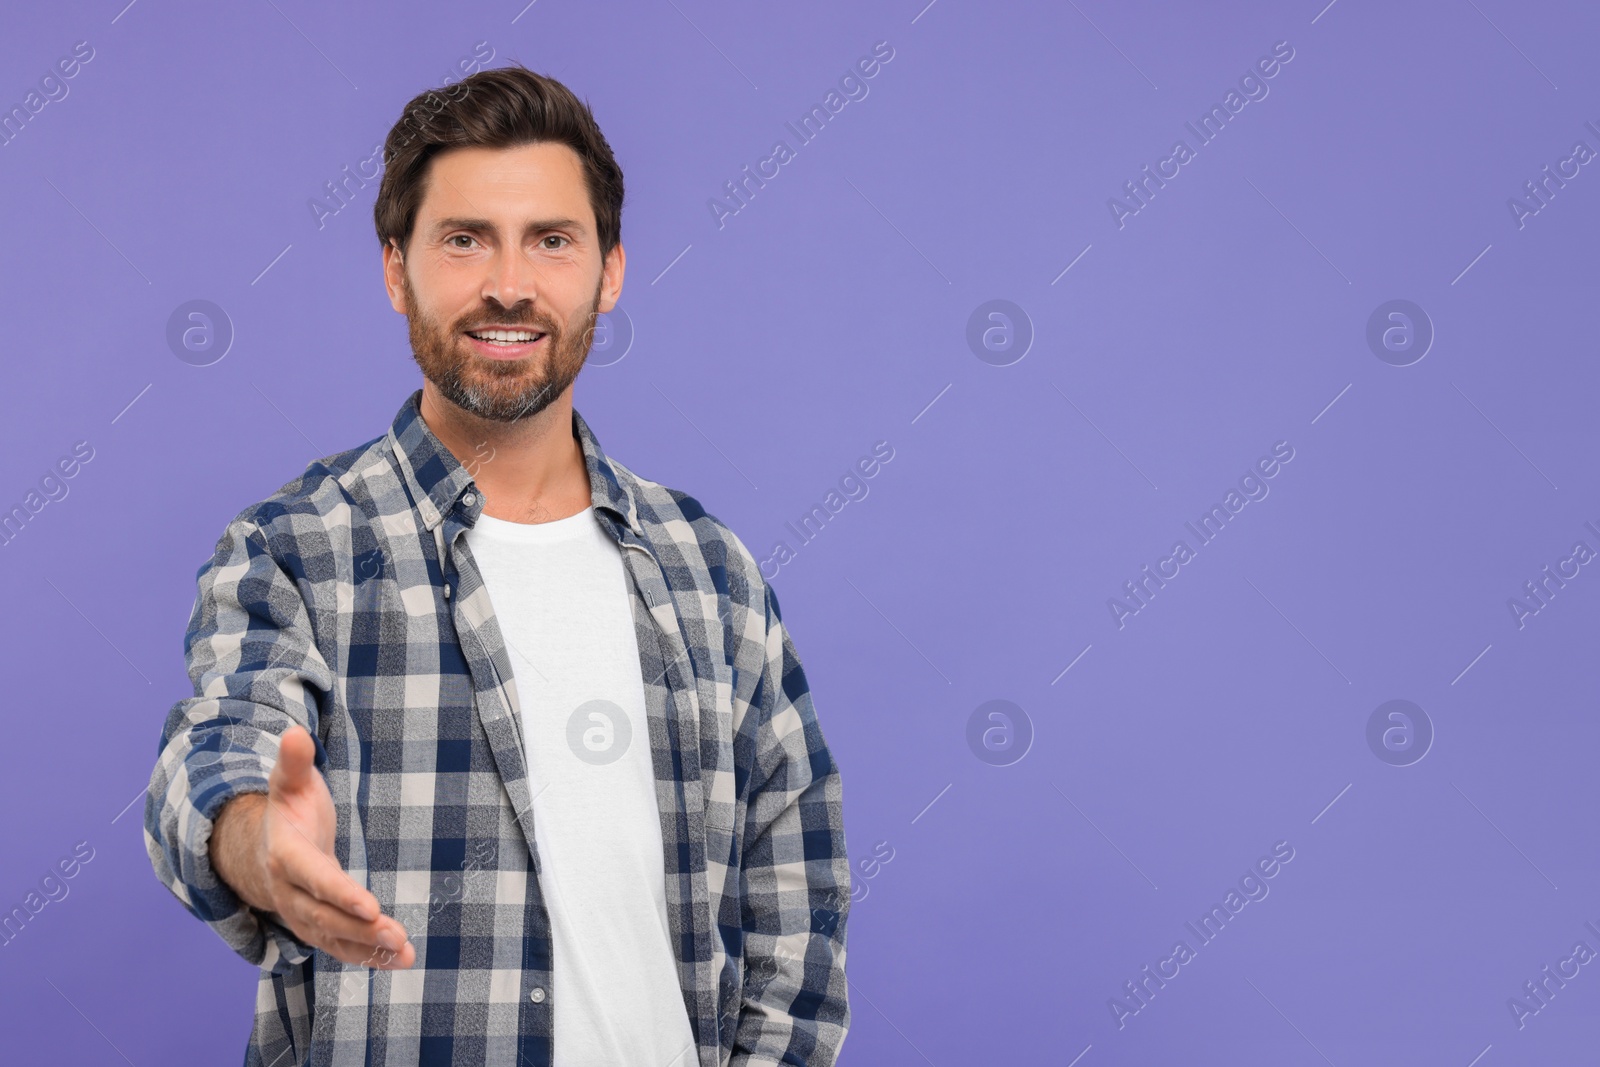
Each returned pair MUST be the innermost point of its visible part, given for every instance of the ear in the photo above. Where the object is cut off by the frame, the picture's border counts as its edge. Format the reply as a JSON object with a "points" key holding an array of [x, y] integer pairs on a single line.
{"points": [[611, 278], [393, 277]]}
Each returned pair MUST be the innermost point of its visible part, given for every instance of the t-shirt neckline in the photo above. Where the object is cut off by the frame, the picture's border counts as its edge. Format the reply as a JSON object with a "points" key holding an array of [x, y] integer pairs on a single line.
{"points": [[536, 532]]}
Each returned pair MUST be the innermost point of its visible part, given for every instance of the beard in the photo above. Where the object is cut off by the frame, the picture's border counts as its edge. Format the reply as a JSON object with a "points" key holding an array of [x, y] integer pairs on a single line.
{"points": [[499, 390]]}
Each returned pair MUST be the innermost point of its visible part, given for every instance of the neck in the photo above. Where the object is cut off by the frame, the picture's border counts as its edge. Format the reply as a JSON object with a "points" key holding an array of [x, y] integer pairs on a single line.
{"points": [[530, 470]]}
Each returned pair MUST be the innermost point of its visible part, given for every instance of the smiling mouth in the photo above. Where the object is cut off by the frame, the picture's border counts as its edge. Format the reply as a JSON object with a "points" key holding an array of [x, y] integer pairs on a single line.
{"points": [[506, 338]]}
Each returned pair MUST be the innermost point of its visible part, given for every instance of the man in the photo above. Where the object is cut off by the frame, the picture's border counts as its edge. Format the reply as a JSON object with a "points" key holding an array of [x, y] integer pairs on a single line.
{"points": [[500, 753]]}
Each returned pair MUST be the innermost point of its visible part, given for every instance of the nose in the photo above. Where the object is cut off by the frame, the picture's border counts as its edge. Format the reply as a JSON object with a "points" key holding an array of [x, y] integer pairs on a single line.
{"points": [[513, 278]]}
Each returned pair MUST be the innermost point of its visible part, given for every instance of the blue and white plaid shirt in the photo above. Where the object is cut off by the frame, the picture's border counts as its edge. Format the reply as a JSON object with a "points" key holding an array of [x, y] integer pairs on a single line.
{"points": [[349, 602]]}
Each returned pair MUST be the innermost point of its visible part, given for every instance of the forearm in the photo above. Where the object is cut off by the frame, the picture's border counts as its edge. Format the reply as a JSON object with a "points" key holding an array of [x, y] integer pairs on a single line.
{"points": [[235, 848]]}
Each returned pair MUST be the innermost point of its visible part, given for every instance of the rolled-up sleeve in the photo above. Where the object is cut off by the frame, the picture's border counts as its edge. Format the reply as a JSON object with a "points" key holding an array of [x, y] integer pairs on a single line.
{"points": [[795, 875], [256, 669]]}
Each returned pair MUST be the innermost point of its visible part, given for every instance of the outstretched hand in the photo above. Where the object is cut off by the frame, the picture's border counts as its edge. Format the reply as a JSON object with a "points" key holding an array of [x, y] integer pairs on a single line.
{"points": [[276, 850]]}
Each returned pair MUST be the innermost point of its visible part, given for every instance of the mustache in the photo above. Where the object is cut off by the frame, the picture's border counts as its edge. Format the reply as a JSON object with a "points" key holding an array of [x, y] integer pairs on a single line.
{"points": [[494, 321]]}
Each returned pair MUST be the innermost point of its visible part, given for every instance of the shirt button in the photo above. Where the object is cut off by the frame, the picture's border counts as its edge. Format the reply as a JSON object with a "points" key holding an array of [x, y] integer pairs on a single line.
{"points": [[537, 995], [469, 500]]}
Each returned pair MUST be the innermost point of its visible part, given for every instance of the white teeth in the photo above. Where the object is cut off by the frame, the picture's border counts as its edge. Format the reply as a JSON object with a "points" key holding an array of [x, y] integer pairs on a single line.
{"points": [[505, 335]]}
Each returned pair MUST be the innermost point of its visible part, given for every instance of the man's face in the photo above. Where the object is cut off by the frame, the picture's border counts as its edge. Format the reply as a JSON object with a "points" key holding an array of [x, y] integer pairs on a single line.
{"points": [[504, 240]]}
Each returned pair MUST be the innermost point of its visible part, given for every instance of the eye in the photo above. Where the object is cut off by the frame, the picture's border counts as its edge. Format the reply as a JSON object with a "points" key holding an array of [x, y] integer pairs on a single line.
{"points": [[553, 237], [458, 236]]}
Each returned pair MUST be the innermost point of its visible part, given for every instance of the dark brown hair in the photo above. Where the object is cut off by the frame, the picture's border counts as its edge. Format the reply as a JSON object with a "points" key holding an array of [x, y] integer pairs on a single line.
{"points": [[503, 107]]}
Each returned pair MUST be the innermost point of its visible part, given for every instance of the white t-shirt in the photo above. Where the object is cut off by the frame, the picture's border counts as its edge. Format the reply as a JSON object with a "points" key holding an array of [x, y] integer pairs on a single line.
{"points": [[560, 596]]}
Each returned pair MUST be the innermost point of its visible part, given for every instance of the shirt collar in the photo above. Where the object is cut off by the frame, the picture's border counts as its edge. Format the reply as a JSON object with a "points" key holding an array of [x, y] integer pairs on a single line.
{"points": [[437, 479]]}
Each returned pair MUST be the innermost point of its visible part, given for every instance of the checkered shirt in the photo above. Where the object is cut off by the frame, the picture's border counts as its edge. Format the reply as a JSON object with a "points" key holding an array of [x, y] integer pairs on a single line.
{"points": [[349, 602]]}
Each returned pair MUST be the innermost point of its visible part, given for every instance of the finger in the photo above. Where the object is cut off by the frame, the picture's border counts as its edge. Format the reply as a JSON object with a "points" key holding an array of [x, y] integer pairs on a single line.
{"points": [[296, 757], [365, 956], [384, 960], [327, 923], [362, 954], [312, 871], [357, 953]]}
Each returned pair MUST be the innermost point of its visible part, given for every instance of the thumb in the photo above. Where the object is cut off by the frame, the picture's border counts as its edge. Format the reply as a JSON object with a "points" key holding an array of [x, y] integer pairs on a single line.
{"points": [[296, 757]]}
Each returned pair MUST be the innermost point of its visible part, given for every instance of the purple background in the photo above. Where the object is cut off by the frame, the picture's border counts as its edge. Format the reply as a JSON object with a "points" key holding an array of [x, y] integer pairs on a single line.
{"points": [[830, 313]]}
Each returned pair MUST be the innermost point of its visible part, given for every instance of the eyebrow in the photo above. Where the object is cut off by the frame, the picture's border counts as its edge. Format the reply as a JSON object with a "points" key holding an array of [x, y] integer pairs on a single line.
{"points": [[471, 225]]}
